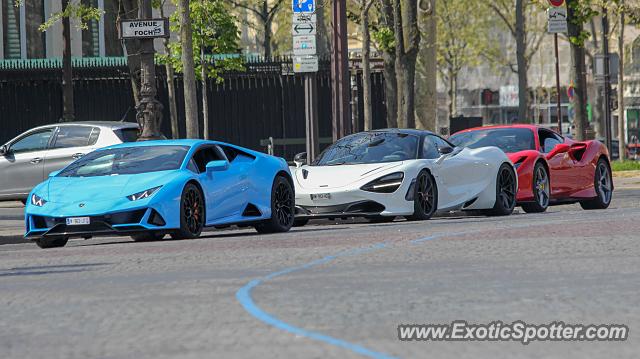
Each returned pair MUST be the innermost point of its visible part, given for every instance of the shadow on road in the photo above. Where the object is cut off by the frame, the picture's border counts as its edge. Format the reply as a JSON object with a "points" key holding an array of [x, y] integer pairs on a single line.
{"points": [[54, 269]]}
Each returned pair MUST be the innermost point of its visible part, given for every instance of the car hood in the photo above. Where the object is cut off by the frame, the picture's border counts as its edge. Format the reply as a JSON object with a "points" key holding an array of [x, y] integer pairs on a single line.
{"points": [[312, 177], [74, 189]]}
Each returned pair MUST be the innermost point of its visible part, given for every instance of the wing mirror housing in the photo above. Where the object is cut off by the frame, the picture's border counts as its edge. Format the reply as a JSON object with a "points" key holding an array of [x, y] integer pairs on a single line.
{"points": [[560, 148], [445, 150], [300, 159], [54, 173], [217, 166], [4, 150]]}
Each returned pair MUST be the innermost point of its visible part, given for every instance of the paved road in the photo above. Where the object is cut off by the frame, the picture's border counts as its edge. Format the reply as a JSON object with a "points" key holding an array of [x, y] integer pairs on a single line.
{"points": [[240, 294]]}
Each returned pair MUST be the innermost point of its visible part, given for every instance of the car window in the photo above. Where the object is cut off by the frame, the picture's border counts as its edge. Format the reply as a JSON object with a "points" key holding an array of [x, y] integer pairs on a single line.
{"points": [[548, 140], [509, 140], [75, 136], [191, 166], [206, 155], [370, 147], [429, 148], [33, 142], [127, 134]]}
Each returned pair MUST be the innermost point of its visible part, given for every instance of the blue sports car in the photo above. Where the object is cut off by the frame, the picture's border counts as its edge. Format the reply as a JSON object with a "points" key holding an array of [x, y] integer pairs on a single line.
{"points": [[150, 189]]}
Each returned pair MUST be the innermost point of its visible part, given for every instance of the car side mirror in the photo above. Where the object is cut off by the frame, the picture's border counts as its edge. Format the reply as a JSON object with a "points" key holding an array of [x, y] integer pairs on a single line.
{"points": [[217, 166], [300, 159], [445, 150], [560, 148], [4, 150], [54, 173]]}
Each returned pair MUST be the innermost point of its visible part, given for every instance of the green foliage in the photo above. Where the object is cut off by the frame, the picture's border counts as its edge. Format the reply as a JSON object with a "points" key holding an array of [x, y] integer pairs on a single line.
{"points": [[384, 37], [214, 27], [75, 10], [625, 166]]}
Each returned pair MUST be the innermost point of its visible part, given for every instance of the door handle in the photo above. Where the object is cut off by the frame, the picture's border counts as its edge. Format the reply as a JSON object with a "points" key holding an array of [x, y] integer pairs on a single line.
{"points": [[77, 155], [36, 160]]}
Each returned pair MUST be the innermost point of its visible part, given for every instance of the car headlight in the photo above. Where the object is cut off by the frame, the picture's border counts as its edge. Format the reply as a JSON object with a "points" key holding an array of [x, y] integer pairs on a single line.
{"points": [[143, 194], [386, 184], [37, 200]]}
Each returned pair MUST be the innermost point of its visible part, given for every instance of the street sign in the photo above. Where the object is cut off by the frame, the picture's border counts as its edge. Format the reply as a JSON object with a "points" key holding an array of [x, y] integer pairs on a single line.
{"points": [[304, 17], [141, 29], [307, 28], [303, 6], [556, 3], [304, 45], [305, 64], [557, 20]]}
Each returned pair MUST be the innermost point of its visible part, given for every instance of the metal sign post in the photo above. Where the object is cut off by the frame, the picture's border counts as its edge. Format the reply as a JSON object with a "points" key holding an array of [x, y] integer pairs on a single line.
{"points": [[557, 22], [305, 61]]}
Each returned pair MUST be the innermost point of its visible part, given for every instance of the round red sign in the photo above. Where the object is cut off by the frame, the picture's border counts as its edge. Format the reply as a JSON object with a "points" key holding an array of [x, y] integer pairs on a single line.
{"points": [[556, 3]]}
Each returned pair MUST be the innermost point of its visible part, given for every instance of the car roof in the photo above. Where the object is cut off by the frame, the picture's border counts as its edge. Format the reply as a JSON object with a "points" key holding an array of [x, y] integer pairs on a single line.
{"points": [[526, 126], [409, 131], [180, 142], [102, 124]]}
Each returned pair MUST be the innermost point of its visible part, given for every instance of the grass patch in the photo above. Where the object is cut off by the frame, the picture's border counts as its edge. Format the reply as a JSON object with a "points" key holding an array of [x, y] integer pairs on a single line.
{"points": [[625, 166]]}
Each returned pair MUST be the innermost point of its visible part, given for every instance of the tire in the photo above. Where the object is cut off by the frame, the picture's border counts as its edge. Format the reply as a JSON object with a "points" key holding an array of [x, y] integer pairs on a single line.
{"points": [[147, 237], [381, 219], [541, 190], [192, 213], [425, 197], [506, 190], [603, 184], [52, 242], [282, 208], [300, 222]]}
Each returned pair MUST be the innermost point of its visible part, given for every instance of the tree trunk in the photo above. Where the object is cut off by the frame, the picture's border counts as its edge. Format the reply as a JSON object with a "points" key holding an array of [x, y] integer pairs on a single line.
{"points": [[266, 43], [578, 74], [622, 135], [521, 47], [388, 56], [427, 95], [405, 19], [453, 93], [171, 90], [190, 93], [597, 110], [322, 36], [127, 10], [205, 99], [68, 112], [366, 68]]}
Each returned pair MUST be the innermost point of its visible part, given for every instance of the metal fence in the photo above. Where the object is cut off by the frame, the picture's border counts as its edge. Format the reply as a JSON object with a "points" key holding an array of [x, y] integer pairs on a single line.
{"points": [[264, 101]]}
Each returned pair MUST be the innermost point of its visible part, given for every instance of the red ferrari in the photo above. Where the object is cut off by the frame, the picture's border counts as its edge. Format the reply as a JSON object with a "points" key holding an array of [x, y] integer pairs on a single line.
{"points": [[551, 169]]}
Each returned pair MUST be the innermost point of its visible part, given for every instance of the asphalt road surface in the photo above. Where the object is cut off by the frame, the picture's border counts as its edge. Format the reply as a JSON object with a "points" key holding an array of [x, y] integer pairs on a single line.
{"points": [[328, 290]]}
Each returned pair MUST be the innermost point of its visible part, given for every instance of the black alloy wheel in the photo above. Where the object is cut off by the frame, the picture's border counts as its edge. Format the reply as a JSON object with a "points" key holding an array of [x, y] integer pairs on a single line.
{"points": [[282, 208], [541, 190], [425, 198], [506, 190], [192, 213]]}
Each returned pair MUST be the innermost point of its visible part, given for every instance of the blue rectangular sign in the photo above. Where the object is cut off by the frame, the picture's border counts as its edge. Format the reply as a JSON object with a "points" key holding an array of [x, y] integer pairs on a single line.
{"points": [[303, 5]]}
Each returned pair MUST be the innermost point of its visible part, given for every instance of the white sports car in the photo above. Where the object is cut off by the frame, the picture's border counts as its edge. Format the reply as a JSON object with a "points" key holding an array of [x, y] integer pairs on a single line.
{"points": [[399, 172]]}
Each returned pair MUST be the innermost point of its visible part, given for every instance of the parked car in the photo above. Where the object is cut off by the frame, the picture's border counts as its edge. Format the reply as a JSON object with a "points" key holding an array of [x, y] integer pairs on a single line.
{"points": [[28, 159], [552, 169], [382, 174], [150, 189]]}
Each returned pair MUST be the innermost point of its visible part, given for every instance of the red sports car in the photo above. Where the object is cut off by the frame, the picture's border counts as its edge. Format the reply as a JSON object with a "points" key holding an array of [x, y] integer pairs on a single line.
{"points": [[551, 169]]}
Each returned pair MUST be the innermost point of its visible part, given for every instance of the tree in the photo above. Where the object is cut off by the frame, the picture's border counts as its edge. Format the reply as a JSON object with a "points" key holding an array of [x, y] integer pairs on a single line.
{"points": [[461, 40], [265, 13], [515, 17], [83, 14], [384, 40], [365, 6], [188, 69], [171, 89], [427, 69]]}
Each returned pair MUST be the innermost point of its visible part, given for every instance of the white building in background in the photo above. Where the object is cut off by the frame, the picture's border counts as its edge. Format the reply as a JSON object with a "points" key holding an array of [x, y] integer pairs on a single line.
{"points": [[21, 39]]}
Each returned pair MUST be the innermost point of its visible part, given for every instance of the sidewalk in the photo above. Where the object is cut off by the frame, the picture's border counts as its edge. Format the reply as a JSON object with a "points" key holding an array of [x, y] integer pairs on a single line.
{"points": [[626, 179]]}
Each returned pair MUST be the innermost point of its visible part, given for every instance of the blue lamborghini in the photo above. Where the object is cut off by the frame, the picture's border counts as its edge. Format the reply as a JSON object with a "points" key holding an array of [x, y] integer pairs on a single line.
{"points": [[150, 189]]}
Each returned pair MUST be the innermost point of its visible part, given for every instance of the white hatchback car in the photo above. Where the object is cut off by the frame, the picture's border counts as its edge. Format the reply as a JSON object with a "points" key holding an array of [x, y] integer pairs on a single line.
{"points": [[27, 159]]}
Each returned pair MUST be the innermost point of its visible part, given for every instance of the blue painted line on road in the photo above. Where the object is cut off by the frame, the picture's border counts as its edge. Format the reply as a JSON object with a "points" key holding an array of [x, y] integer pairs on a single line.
{"points": [[243, 295]]}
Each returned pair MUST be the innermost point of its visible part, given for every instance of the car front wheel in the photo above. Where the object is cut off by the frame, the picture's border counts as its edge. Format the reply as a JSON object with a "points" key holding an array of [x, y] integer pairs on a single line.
{"points": [[541, 191], [192, 214], [425, 197]]}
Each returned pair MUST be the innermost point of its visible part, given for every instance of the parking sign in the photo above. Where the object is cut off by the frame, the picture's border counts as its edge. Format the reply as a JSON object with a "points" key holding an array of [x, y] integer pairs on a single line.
{"points": [[299, 6]]}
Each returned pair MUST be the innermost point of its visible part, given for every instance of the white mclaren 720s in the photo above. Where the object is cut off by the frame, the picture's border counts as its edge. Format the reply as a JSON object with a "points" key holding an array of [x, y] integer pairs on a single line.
{"points": [[383, 174]]}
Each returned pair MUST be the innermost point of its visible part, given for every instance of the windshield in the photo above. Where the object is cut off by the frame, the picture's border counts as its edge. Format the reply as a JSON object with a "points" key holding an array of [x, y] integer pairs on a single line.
{"points": [[369, 147], [508, 140], [127, 161]]}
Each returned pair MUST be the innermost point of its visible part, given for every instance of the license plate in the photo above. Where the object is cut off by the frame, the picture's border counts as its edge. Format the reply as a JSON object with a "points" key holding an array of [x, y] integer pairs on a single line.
{"points": [[78, 221], [320, 196]]}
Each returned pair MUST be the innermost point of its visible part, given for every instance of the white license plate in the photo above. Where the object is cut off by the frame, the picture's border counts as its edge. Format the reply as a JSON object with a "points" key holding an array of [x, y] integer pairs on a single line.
{"points": [[78, 221], [320, 196]]}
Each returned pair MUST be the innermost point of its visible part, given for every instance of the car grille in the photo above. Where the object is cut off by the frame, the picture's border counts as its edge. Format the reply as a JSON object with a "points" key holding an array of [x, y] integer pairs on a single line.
{"points": [[363, 207], [128, 217]]}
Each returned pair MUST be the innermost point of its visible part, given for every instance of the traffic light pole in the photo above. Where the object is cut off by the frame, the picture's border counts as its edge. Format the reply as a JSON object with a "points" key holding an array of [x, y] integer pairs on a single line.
{"points": [[340, 72], [559, 108], [607, 80]]}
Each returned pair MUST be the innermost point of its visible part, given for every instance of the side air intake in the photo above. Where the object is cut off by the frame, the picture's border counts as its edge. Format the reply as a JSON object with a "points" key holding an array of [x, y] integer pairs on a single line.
{"points": [[251, 211]]}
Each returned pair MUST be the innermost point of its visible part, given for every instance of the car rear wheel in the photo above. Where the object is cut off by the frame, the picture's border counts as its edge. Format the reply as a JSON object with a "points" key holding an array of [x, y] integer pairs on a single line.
{"points": [[192, 214], [541, 191], [147, 237], [505, 192], [52, 242], [425, 197], [282, 208], [603, 185]]}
